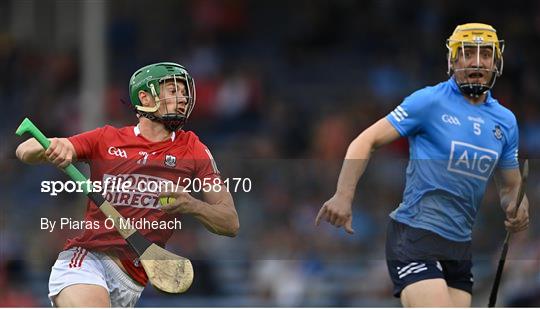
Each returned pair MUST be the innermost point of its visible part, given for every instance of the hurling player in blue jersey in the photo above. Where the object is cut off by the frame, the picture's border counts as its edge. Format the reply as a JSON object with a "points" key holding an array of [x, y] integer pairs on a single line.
{"points": [[459, 135]]}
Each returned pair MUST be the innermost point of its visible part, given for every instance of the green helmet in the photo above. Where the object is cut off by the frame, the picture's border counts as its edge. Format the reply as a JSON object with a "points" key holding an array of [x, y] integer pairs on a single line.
{"points": [[148, 79]]}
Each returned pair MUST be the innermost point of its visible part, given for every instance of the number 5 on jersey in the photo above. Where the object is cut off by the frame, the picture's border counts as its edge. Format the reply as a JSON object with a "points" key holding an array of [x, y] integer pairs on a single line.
{"points": [[476, 127]]}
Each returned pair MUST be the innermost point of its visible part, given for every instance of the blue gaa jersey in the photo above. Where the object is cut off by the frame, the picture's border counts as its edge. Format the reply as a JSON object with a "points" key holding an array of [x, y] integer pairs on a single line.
{"points": [[454, 148]]}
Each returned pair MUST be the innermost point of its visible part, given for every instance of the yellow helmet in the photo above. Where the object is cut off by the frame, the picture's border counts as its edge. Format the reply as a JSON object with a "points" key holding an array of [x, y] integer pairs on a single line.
{"points": [[475, 35]]}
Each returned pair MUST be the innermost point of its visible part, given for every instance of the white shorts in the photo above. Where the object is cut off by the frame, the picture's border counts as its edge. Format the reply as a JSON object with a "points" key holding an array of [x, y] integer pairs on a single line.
{"points": [[80, 266]]}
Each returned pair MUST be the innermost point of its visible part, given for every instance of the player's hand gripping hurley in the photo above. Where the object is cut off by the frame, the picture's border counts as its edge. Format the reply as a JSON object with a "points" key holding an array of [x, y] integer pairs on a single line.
{"points": [[502, 260], [166, 271]]}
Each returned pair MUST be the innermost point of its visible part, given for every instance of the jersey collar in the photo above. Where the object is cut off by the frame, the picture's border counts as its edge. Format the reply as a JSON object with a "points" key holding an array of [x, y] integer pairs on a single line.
{"points": [[137, 132]]}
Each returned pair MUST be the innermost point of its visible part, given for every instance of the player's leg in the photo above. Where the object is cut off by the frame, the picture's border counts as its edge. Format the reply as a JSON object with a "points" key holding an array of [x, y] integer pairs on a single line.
{"points": [[77, 280], [454, 290], [82, 295], [460, 279], [123, 290], [427, 293], [459, 297], [434, 293]]}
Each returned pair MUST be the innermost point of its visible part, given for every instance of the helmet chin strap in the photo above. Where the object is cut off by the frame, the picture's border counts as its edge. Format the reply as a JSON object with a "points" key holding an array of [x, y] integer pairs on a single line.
{"points": [[473, 90], [172, 122]]}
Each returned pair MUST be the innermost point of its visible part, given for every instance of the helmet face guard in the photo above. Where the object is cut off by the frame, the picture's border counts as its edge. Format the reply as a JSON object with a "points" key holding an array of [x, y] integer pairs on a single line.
{"points": [[151, 79], [479, 48]]}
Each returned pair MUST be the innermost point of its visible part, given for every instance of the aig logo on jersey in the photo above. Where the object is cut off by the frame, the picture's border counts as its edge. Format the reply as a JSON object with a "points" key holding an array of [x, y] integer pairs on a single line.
{"points": [[450, 119], [170, 160], [471, 160]]}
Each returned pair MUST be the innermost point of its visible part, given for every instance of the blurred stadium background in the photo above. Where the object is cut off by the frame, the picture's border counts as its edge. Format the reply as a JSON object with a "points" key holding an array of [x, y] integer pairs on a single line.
{"points": [[282, 88]]}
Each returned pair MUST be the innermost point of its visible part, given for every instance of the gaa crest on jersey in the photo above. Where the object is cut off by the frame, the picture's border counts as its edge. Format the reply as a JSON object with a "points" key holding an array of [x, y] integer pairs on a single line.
{"points": [[498, 132], [117, 152], [170, 160]]}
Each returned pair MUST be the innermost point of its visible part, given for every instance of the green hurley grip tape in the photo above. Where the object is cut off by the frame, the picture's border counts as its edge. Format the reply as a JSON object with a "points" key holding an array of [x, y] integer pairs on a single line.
{"points": [[27, 126], [77, 176]]}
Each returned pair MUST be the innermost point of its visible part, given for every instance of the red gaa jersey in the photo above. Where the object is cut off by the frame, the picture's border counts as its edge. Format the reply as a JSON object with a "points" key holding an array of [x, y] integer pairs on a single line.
{"points": [[130, 168]]}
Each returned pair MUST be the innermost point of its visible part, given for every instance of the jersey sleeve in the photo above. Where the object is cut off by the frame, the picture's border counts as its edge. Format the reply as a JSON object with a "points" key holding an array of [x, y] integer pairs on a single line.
{"points": [[408, 117], [85, 143], [205, 165], [509, 155]]}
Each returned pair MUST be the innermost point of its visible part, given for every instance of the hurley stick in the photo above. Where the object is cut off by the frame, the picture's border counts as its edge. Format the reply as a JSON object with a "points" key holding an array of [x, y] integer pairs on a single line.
{"points": [[166, 271], [502, 260]]}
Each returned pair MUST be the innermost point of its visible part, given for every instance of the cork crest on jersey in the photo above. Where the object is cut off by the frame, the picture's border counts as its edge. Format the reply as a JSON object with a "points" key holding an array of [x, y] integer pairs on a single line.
{"points": [[170, 160]]}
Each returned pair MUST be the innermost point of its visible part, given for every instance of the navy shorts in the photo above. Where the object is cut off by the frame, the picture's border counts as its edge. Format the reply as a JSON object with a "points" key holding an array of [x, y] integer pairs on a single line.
{"points": [[414, 254]]}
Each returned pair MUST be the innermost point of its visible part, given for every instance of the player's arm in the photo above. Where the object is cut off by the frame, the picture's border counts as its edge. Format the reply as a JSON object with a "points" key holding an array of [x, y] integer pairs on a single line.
{"points": [[508, 181], [216, 211], [61, 152], [337, 211]]}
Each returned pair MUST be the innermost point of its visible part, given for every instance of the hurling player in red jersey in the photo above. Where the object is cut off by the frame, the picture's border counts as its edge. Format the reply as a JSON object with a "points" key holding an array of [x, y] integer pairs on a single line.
{"points": [[97, 268]]}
